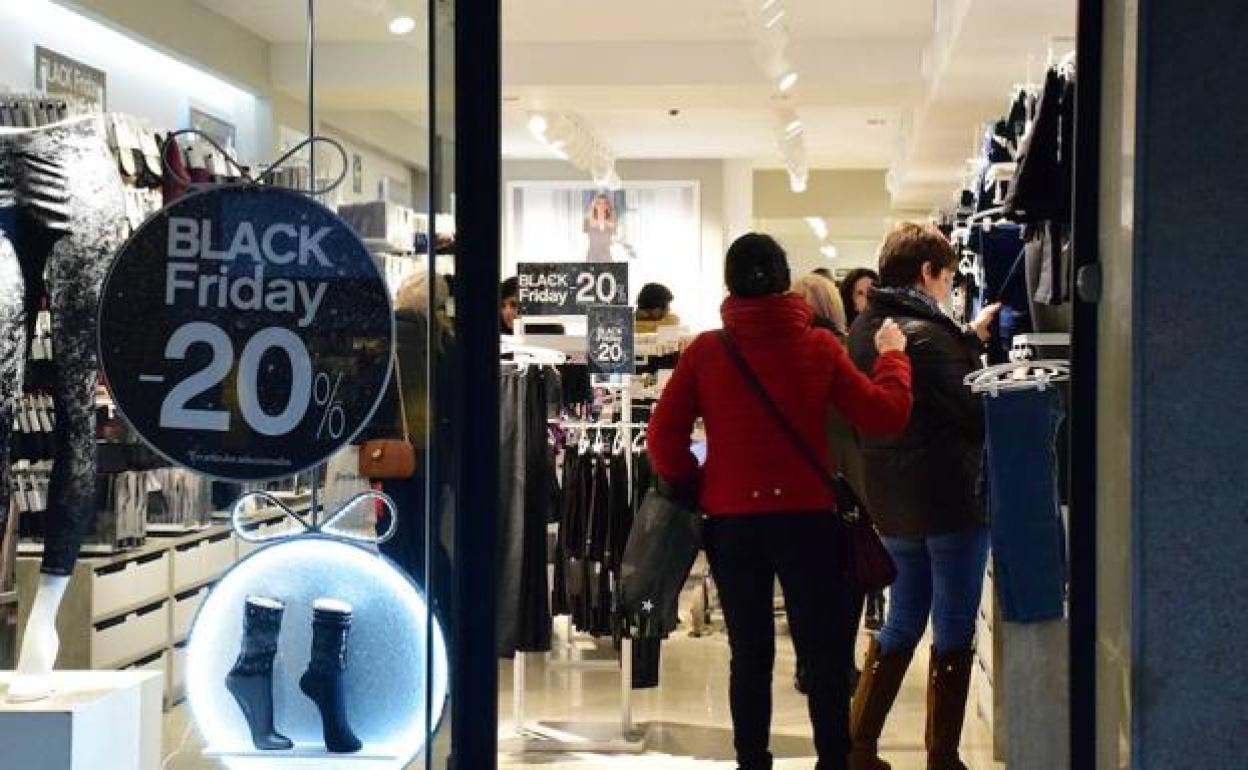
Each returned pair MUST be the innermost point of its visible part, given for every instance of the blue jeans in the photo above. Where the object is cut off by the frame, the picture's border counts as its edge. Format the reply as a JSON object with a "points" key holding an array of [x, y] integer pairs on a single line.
{"points": [[1028, 537], [941, 576]]}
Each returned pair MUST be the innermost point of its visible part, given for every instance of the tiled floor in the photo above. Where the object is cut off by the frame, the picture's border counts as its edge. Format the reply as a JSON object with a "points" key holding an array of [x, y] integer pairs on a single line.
{"points": [[688, 719]]}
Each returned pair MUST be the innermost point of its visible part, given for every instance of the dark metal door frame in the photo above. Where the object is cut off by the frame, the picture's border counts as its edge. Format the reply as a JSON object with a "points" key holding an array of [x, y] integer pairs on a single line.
{"points": [[478, 211], [1083, 406]]}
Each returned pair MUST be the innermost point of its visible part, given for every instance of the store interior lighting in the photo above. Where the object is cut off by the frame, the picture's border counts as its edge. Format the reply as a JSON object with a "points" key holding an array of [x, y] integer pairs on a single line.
{"points": [[818, 226], [567, 137], [399, 20], [766, 22], [828, 251]]}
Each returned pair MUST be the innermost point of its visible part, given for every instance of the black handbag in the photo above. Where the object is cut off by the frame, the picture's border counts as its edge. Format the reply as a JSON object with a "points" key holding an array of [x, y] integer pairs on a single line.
{"points": [[662, 546], [866, 559]]}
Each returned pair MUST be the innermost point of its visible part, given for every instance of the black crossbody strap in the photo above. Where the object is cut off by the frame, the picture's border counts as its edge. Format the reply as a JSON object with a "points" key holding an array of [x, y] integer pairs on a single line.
{"points": [[794, 436]]}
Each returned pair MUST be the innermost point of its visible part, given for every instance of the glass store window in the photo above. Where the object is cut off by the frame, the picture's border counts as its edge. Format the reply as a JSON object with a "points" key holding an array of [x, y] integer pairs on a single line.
{"points": [[229, 399]]}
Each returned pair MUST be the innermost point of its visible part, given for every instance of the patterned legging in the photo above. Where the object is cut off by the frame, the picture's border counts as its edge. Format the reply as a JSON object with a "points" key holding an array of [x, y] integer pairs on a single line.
{"points": [[62, 218]]}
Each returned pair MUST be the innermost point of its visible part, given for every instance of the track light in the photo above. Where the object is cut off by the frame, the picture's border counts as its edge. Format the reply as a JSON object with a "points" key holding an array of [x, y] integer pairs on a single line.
{"points": [[818, 226], [787, 81], [567, 137], [829, 251], [402, 25], [398, 20], [797, 179], [774, 19], [538, 126], [767, 4]]}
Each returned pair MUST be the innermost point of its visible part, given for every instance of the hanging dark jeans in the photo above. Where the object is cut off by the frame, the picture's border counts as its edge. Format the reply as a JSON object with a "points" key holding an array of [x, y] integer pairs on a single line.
{"points": [[62, 218], [747, 554], [1002, 250], [524, 619], [1028, 538]]}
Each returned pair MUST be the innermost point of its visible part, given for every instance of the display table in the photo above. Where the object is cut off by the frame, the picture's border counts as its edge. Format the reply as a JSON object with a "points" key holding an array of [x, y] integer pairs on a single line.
{"points": [[92, 720]]}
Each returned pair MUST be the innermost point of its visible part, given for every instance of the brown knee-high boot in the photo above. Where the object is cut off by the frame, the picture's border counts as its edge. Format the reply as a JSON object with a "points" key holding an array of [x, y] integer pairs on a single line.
{"points": [[948, 683], [877, 689]]}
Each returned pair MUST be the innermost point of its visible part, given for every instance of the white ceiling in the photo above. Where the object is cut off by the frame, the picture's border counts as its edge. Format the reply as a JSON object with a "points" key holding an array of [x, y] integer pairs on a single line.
{"points": [[896, 84]]}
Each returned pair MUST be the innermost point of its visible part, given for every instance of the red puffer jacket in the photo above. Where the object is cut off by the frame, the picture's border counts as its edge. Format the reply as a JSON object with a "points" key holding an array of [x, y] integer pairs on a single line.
{"points": [[751, 465]]}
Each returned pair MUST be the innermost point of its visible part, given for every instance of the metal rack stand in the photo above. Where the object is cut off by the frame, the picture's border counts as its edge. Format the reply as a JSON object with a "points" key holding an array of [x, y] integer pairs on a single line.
{"points": [[621, 738]]}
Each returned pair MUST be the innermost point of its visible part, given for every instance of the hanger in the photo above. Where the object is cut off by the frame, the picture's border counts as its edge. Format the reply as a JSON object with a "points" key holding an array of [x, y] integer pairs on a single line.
{"points": [[532, 353], [1029, 375], [639, 442]]}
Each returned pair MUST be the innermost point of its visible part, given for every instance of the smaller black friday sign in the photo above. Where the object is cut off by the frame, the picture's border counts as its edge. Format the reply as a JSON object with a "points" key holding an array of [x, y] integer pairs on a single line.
{"points": [[611, 340], [570, 288]]}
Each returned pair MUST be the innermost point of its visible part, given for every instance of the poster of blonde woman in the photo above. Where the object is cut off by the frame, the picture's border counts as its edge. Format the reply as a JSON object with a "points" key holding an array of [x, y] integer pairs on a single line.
{"points": [[655, 227], [602, 231]]}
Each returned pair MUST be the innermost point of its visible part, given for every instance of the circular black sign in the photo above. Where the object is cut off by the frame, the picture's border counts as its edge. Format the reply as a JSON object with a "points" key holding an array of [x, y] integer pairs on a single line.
{"points": [[246, 333]]}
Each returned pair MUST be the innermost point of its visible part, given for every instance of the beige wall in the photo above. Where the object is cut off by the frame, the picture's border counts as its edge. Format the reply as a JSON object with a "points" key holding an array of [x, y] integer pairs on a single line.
{"points": [[854, 204]]}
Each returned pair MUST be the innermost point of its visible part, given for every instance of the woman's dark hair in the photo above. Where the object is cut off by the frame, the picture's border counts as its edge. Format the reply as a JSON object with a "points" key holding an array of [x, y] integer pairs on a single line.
{"points": [[848, 283], [824, 272], [509, 289], [756, 266], [654, 296], [907, 248]]}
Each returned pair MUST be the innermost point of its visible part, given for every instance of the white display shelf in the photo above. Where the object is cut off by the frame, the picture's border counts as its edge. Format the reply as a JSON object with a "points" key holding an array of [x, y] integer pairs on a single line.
{"points": [[90, 714]]}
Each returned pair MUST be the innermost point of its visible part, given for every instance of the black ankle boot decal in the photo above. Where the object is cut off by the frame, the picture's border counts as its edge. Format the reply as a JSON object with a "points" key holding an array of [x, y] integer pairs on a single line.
{"points": [[323, 681], [250, 681]]}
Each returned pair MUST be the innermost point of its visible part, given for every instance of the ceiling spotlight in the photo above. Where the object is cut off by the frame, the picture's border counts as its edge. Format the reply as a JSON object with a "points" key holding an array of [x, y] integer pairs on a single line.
{"points": [[818, 226], [828, 251], [787, 81], [794, 127], [767, 4], [797, 180], [538, 126], [402, 25], [774, 19]]}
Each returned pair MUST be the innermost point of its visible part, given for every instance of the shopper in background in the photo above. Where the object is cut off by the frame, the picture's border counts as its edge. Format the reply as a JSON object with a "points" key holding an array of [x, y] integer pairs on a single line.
{"points": [[654, 309], [824, 273], [854, 290], [825, 302], [508, 305], [410, 383], [769, 513], [922, 487]]}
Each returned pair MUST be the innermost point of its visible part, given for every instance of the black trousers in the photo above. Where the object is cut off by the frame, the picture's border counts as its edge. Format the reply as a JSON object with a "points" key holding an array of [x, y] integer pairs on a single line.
{"points": [[62, 218], [747, 554]]}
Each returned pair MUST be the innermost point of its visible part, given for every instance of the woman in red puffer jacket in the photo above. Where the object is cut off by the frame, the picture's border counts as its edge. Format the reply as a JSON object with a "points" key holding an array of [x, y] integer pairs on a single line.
{"points": [[769, 513]]}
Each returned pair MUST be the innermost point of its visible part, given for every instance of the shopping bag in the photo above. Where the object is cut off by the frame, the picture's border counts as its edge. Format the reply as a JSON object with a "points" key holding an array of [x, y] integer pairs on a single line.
{"points": [[661, 549]]}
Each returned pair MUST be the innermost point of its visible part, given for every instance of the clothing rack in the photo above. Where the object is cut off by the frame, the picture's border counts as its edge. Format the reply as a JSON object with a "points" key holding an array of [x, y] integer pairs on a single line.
{"points": [[621, 738]]}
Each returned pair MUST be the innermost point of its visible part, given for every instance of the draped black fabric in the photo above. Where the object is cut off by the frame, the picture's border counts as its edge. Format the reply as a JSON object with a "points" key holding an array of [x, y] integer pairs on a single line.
{"points": [[525, 505]]}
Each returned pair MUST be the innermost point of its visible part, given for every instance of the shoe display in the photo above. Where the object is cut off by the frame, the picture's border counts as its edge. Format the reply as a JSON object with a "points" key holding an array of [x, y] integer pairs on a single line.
{"points": [[250, 681], [323, 681]]}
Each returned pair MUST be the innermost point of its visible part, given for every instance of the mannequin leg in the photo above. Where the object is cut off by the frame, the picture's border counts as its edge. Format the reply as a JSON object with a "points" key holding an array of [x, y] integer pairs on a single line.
{"points": [[77, 265], [40, 643]]}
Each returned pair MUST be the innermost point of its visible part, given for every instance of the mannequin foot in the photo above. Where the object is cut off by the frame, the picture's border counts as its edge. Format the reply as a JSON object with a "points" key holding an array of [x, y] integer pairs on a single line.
{"points": [[34, 665], [27, 689]]}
